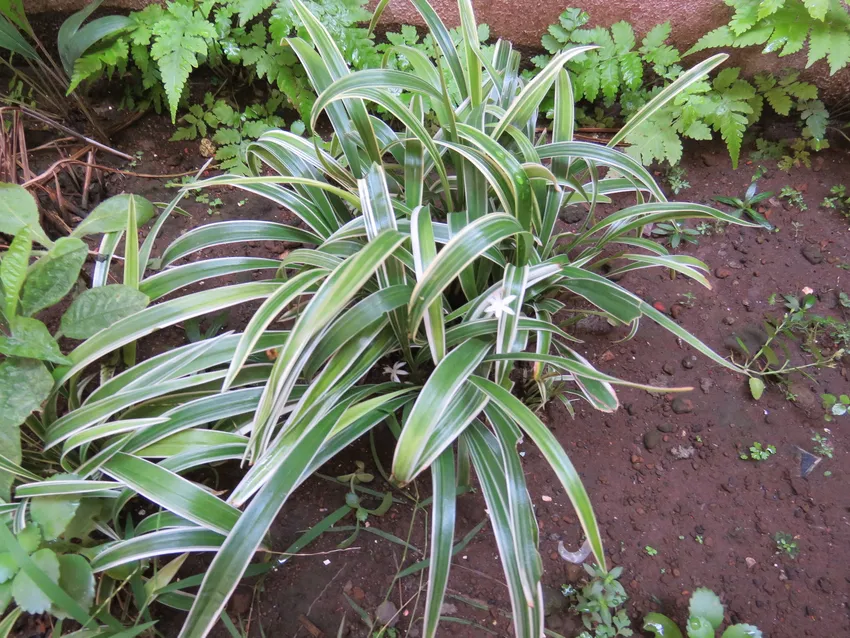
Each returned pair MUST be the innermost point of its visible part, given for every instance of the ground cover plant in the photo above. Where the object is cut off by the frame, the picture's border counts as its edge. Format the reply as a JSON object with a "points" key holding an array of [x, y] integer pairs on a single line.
{"points": [[437, 253], [629, 73]]}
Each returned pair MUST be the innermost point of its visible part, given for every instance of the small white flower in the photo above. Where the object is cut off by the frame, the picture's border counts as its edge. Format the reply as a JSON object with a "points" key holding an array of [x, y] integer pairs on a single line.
{"points": [[396, 371], [499, 304], [807, 291]]}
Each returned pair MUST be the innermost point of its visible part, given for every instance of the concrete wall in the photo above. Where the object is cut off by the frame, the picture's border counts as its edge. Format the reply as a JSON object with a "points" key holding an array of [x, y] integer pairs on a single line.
{"points": [[524, 21]]}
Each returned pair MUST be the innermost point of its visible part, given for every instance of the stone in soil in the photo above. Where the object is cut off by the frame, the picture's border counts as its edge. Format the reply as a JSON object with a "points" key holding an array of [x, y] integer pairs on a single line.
{"points": [[387, 613], [681, 405], [594, 325], [812, 254], [667, 428], [722, 273], [651, 439]]}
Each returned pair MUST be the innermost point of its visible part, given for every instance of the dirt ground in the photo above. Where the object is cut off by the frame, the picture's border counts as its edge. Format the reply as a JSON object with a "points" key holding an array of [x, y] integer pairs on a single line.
{"points": [[711, 518]]}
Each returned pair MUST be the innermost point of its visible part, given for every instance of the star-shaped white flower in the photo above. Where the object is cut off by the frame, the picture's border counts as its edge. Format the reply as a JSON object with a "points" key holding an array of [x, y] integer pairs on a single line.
{"points": [[396, 371], [499, 304]]}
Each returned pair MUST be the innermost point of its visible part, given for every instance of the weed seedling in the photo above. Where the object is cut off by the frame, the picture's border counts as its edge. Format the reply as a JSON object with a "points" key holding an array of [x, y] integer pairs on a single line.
{"points": [[597, 602], [838, 200], [823, 446], [794, 197], [746, 204], [688, 299], [677, 178], [699, 539], [786, 543], [759, 452], [650, 551], [835, 406]]}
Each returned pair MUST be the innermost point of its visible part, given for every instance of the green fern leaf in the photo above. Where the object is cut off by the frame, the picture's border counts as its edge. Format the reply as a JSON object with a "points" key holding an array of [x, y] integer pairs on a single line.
{"points": [[732, 126], [779, 100], [819, 43], [719, 37], [589, 83], [226, 136], [817, 8], [624, 36], [789, 32], [93, 63], [698, 130], [185, 133], [550, 43], [839, 50], [248, 9], [655, 38], [631, 70], [655, 140], [179, 38], [769, 7], [609, 77], [746, 16]]}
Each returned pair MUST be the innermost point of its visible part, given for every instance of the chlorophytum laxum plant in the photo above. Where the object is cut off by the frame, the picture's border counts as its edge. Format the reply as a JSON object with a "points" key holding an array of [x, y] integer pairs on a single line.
{"points": [[435, 250]]}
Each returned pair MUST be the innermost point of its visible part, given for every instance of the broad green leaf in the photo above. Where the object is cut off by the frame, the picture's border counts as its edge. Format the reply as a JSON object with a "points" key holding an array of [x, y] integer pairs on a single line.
{"points": [[30, 339], [28, 595], [99, 308], [661, 626], [8, 568], [77, 580], [53, 513], [53, 275], [706, 604], [13, 271], [699, 627], [110, 216], [756, 387], [29, 538], [742, 631], [18, 210], [24, 385]]}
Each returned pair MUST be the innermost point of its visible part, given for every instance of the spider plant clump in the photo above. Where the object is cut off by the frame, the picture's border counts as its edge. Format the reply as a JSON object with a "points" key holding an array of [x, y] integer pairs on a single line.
{"points": [[434, 274]]}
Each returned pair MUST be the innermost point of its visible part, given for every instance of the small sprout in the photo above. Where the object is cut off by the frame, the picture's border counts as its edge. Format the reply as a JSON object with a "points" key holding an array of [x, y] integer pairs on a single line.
{"points": [[786, 543], [823, 446], [681, 538], [794, 197], [651, 551], [835, 406], [699, 539], [759, 452], [828, 473], [241, 202]]}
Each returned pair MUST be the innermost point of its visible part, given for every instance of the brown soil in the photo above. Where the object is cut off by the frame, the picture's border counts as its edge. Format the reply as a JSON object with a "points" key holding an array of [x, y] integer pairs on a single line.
{"points": [[711, 518]]}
